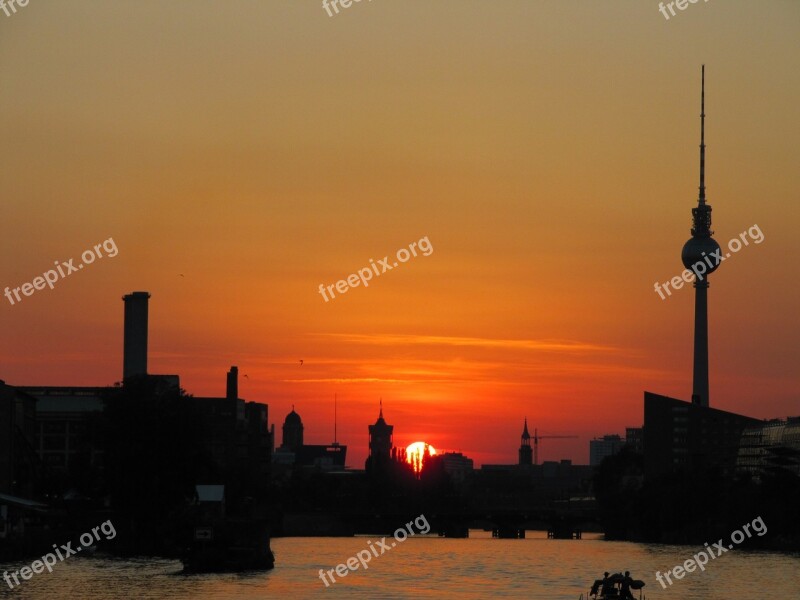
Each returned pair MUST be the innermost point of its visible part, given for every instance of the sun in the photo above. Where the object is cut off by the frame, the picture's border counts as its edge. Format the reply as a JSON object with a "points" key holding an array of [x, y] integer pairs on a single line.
{"points": [[415, 452]]}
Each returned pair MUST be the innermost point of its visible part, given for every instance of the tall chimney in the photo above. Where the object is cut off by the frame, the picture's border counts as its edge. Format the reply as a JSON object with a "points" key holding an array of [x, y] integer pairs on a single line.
{"points": [[134, 356], [232, 392]]}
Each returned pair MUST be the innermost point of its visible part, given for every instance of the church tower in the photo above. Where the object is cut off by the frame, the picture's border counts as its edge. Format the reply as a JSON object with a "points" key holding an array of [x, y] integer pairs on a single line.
{"points": [[380, 439], [525, 450]]}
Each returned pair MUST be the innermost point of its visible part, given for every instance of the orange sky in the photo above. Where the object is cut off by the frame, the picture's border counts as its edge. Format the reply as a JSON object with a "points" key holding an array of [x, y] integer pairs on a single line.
{"points": [[547, 149]]}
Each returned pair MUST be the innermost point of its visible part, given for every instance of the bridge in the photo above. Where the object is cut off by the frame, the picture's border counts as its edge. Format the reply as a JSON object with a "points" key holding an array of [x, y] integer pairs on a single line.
{"points": [[561, 520]]}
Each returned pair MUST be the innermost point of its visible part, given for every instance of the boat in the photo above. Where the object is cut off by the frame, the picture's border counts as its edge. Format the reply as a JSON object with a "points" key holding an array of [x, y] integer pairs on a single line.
{"points": [[218, 542], [229, 545], [611, 588]]}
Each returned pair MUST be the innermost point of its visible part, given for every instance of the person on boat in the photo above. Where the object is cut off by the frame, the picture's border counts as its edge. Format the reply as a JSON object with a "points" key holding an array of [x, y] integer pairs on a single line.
{"points": [[607, 585], [596, 586], [625, 590]]}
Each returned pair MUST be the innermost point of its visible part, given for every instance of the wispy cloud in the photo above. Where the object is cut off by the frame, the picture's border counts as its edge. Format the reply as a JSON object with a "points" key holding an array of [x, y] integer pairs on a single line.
{"points": [[393, 339], [348, 380]]}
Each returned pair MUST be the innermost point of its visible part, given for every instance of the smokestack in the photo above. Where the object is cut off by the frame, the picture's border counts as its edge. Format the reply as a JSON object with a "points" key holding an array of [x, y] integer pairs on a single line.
{"points": [[232, 392], [134, 357]]}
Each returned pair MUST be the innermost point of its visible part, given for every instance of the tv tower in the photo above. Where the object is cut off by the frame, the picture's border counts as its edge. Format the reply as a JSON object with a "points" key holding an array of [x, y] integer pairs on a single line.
{"points": [[701, 249]]}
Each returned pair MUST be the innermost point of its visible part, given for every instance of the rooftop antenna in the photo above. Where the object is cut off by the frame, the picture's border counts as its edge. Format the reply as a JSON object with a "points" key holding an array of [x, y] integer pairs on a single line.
{"points": [[335, 442]]}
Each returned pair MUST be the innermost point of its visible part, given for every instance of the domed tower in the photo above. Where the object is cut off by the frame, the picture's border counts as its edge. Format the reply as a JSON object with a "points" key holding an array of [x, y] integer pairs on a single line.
{"points": [[702, 255], [292, 431], [525, 450], [380, 439]]}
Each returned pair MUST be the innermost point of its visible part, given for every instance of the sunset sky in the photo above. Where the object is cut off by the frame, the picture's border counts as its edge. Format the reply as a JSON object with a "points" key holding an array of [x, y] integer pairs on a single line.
{"points": [[242, 153]]}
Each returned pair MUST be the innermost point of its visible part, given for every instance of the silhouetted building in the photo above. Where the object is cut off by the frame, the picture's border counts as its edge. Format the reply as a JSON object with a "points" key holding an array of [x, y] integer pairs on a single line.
{"points": [[680, 435], [259, 447], [232, 384], [770, 446], [457, 466], [66, 431], [325, 457], [134, 360], [380, 439], [68, 417], [599, 448], [238, 435], [67, 422], [512, 487], [634, 439], [293, 450], [18, 460], [525, 450], [292, 432]]}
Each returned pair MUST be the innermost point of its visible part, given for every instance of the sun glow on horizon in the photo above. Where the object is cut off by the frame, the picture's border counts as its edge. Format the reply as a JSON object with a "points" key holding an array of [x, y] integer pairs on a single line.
{"points": [[415, 454]]}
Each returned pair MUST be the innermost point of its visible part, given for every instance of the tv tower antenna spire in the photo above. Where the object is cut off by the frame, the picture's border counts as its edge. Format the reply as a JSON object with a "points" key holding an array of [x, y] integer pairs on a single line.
{"points": [[702, 198]]}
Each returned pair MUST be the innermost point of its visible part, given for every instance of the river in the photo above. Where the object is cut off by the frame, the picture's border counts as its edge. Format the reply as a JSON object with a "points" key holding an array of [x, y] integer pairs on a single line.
{"points": [[425, 567]]}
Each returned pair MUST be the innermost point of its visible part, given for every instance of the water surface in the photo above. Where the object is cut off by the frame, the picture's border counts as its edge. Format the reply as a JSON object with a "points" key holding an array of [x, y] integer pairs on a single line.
{"points": [[425, 567]]}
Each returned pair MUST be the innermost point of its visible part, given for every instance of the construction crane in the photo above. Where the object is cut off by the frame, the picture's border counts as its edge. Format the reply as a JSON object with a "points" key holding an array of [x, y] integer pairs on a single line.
{"points": [[537, 437]]}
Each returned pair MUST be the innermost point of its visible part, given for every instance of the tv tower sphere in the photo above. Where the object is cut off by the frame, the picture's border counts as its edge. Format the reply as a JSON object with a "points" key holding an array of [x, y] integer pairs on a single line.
{"points": [[697, 249]]}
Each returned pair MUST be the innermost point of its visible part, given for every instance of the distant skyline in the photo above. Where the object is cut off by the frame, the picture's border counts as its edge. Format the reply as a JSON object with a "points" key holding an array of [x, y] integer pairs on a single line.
{"points": [[240, 154]]}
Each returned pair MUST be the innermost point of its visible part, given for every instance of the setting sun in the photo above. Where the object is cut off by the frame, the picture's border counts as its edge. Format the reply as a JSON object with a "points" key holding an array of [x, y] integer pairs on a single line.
{"points": [[415, 453]]}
